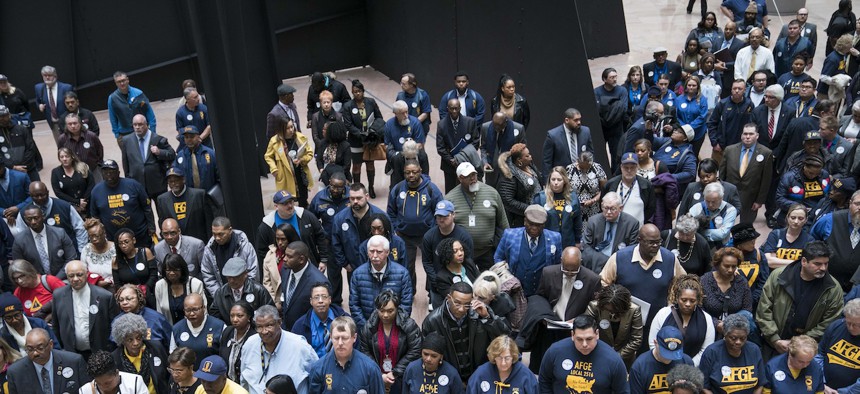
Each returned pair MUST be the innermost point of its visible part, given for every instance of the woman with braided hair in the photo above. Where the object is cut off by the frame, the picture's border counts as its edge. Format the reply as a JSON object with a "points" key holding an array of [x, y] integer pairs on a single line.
{"points": [[685, 312], [137, 355], [620, 321]]}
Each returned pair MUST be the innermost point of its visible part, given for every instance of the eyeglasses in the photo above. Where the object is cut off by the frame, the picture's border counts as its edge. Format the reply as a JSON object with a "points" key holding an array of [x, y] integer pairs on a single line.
{"points": [[174, 371], [320, 297], [457, 304], [193, 310], [40, 348], [14, 316], [505, 359], [650, 241], [569, 272], [611, 209]]}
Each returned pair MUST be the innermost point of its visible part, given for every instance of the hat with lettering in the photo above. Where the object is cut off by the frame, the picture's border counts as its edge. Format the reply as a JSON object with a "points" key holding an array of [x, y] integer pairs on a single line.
{"points": [[109, 164], [466, 169], [190, 129], [812, 136], [285, 89], [282, 196], [4, 110], [847, 186], [630, 158], [235, 266], [444, 208], [9, 304], [176, 171], [211, 368], [536, 214], [744, 232], [670, 342]]}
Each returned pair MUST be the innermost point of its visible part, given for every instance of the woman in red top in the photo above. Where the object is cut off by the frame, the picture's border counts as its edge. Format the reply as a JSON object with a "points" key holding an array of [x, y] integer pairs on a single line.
{"points": [[36, 291]]}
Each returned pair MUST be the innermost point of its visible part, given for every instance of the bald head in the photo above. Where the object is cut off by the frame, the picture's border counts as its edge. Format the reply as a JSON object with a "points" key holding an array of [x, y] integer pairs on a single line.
{"points": [[140, 125], [39, 193], [499, 118], [571, 258]]}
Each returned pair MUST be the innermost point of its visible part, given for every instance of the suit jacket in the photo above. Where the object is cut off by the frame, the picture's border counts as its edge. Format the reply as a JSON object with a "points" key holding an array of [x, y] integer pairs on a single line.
{"points": [[197, 212], [278, 110], [190, 248], [492, 147], [674, 72], [23, 378], [150, 172], [550, 286], [556, 148], [42, 98], [102, 301], [761, 115], [626, 233], [61, 250], [755, 184], [734, 47], [447, 138], [646, 192], [299, 304]]}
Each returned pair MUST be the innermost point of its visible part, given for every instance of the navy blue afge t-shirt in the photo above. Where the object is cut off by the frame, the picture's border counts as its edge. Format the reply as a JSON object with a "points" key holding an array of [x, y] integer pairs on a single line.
{"points": [[648, 376], [738, 375], [565, 370], [841, 355]]}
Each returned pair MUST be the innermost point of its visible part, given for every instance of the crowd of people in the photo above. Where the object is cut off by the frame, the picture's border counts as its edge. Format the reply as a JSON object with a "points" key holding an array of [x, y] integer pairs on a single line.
{"points": [[640, 277]]}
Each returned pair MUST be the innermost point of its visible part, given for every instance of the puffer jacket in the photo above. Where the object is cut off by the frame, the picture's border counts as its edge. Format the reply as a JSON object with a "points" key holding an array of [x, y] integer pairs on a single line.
{"points": [[413, 214], [396, 251], [345, 239], [409, 341], [516, 192], [774, 306], [363, 289], [209, 266]]}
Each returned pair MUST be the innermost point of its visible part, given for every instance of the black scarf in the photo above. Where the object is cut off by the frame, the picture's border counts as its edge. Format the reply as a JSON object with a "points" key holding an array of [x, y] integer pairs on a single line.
{"points": [[145, 369]]}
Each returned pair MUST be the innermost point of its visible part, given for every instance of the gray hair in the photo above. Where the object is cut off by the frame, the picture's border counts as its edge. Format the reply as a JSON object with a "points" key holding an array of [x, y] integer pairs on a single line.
{"points": [[188, 91], [22, 267], [686, 224], [486, 285], [379, 241], [267, 311], [127, 325], [736, 322], [653, 106], [777, 91], [399, 105], [714, 187], [410, 149], [587, 157], [49, 70], [81, 262], [612, 197], [852, 308]]}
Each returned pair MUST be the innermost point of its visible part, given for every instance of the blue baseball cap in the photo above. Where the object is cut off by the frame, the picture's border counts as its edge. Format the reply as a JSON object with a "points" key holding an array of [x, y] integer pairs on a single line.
{"points": [[444, 208], [281, 197], [630, 158], [176, 171], [190, 129], [670, 343], [211, 368]]}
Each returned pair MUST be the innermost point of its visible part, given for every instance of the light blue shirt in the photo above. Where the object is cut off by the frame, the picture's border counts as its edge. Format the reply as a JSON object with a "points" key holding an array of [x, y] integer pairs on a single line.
{"points": [[293, 356], [49, 366]]}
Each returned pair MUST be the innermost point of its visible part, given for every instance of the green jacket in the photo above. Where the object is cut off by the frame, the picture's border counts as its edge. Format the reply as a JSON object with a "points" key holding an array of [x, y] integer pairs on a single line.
{"points": [[777, 298]]}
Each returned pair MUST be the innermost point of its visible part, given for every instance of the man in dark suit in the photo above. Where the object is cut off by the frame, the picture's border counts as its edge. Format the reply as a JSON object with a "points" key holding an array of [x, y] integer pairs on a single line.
{"points": [[454, 136], [48, 248], [50, 97], [239, 287], [772, 120], [190, 248], [726, 64], [145, 157], [187, 205], [78, 334], [566, 142], [286, 106], [497, 137], [749, 166], [661, 66], [59, 370], [297, 280], [640, 202], [607, 232]]}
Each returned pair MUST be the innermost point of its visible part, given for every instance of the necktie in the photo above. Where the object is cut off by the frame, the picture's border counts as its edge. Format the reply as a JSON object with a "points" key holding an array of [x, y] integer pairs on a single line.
{"points": [[195, 172], [456, 123], [237, 294], [799, 110], [608, 238], [855, 237], [327, 339], [378, 276], [52, 103], [142, 149], [533, 245], [290, 289], [571, 145], [561, 304], [745, 161], [43, 254], [46, 381], [770, 123], [173, 249], [752, 64]]}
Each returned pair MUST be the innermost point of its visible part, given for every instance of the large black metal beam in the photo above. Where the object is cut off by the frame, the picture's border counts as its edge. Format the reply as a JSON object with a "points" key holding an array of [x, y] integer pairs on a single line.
{"points": [[234, 48]]}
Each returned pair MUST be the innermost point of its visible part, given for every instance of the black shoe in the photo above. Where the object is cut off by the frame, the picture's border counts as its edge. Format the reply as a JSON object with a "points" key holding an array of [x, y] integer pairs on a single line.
{"points": [[689, 11], [372, 193], [771, 222]]}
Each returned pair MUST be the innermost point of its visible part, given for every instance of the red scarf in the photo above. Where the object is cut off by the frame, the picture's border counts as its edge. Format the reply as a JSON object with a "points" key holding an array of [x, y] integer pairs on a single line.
{"points": [[392, 349], [279, 256]]}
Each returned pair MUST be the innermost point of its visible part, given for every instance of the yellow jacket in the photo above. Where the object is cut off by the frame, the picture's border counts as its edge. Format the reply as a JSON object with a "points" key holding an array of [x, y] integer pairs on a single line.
{"points": [[280, 164]]}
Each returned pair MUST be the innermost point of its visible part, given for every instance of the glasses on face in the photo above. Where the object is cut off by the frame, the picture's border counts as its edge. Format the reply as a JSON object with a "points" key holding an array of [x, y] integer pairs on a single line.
{"points": [[461, 305], [175, 371], [505, 359], [569, 272], [320, 297], [653, 242], [14, 316], [193, 309], [611, 209], [38, 348]]}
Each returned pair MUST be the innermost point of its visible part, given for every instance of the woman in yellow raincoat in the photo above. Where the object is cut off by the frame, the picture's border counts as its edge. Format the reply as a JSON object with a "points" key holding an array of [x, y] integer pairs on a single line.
{"points": [[288, 155]]}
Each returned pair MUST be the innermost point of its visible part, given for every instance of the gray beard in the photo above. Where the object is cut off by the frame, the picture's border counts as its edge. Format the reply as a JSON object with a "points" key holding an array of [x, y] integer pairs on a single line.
{"points": [[474, 187], [405, 122]]}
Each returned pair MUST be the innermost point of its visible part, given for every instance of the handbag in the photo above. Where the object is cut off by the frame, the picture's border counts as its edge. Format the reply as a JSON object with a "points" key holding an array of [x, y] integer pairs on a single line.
{"points": [[375, 153]]}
